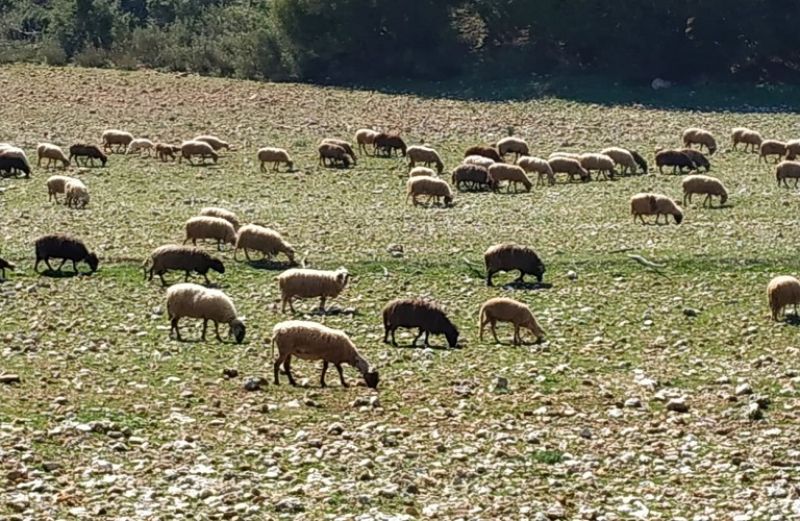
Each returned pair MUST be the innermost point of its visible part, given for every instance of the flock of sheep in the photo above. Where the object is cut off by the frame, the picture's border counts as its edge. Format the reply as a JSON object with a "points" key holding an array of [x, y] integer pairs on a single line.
{"points": [[483, 168]]}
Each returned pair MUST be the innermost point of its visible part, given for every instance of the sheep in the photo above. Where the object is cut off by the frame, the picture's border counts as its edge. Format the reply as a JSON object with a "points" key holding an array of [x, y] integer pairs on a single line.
{"points": [[623, 158], [600, 162], [313, 341], [698, 136], [783, 291], [473, 176], [484, 151], [5, 265], [14, 165], [511, 173], [188, 300], [424, 155], [76, 194], [215, 142], [222, 213], [483, 161], [750, 138], [267, 241], [120, 138], [206, 227], [697, 157], [364, 137], [431, 187], [655, 204], [772, 147], [274, 156], [639, 160], [538, 165], [676, 159], [512, 145], [419, 171], [568, 165], [308, 283], [509, 257], [787, 170], [388, 143], [182, 258], [419, 313], [704, 185], [88, 152], [139, 144], [166, 151], [792, 149], [334, 154], [502, 309], [344, 144], [64, 247], [51, 153], [56, 184], [193, 148]]}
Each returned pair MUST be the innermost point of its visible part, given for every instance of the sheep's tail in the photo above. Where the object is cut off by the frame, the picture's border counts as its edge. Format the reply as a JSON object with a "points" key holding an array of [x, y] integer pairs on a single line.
{"points": [[144, 266]]}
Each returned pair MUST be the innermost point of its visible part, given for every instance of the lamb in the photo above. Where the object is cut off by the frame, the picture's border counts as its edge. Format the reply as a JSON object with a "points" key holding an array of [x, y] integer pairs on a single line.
{"points": [[704, 185], [424, 155], [787, 170], [5, 265], [120, 138], [344, 144], [274, 156], [483, 161], [56, 184], [140, 144], [623, 158], [215, 142], [51, 153], [76, 194], [676, 159], [419, 171], [697, 157], [792, 149], [312, 341], [426, 315], [308, 283], [195, 301], [193, 148], [538, 165], [568, 165], [772, 147], [639, 160], [388, 143], [328, 152], [698, 136], [599, 162], [783, 291], [267, 241], [511, 173], [655, 204], [166, 151], [512, 145], [431, 187], [205, 227], [509, 257], [14, 165], [64, 247], [484, 151], [222, 213], [502, 309], [473, 176], [364, 137], [182, 258], [750, 138], [88, 152]]}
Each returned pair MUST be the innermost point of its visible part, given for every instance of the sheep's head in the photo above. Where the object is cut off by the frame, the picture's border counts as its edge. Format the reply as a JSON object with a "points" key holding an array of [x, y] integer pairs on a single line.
{"points": [[678, 215], [371, 378], [723, 197], [216, 265], [342, 276], [712, 148], [92, 261], [451, 334], [237, 330], [448, 200], [289, 251]]}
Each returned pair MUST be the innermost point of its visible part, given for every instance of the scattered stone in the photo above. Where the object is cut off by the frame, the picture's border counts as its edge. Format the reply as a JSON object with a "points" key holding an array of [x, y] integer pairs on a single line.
{"points": [[586, 433], [678, 405], [754, 412], [335, 429], [253, 383], [9, 379], [290, 505], [230, 372], [691, 312], [500, 384], [743, 389], [633, 403], [571, 275], [51, 466]]}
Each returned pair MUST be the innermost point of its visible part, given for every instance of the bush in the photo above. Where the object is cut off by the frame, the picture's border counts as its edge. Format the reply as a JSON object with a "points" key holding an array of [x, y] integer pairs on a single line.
{"points": [[51, 53], [92, 56]]}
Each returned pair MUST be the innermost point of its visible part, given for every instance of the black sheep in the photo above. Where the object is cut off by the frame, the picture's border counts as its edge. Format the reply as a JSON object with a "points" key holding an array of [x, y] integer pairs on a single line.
{"points": [[419, 313], [65, 247]]}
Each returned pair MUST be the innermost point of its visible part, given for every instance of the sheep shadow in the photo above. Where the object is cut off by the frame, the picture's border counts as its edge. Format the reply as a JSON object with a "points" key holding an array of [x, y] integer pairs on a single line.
{"points": [[56, 274], [792, 320], [532, 286], [269, 265], [444, 347], [329, 312]]}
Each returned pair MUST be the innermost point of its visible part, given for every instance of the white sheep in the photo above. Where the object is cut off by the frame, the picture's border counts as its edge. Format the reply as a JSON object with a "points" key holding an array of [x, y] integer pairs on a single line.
{"points": [[704, 185], [206, 227], [783, 291], [750, 138], [139, 144], [431, 187], [568, 165], [600, 163], [511, 173], [483, 161], [56, 184], [512, 145], [312, 341], [76, 194], [655, 204], [425, 155], [787, 170], [195, 301], [267, 241], [120, 138], [275, 156], [222, 213], [364, 137], [622, 157], [792, 149], [502, 309], [51, 153], [15, 152], [308, 283], [193, 148], [538, 165], [698, 136], [418, 171], [772, 147], [215, 142]]}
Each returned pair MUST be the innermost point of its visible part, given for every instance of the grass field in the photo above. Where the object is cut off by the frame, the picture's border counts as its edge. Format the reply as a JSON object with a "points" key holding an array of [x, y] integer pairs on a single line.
{"points": [[113, 419]]}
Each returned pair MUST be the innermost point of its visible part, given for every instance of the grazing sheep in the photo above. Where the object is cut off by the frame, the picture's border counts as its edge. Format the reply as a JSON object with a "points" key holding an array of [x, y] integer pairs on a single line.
{"points": [[388, 143], [655, 204], [431, 187], [639, 160], [205, 227], [308, 283], [787, 170], [473, 176], [120, 138], [215, 142], [783, 291], [750, 138], [426, 315], [188, 300], [483, 161], [419, 171], [328, 152], [181, 258], [501, 309], [64, 247], [538, 165], [222, 213], [166, 151], [511, 173], [512, 145], [51, 153], [364, 137], [704, 185], [5, 265], [792, 149], [623, 158], [274, 156], [484, 151], [698, 136], [76, 194], [193, 148], [267, 241], [88, 152], [676, 159], [697, 157], [56, 184], [138, 145], [312, 341], [772, 147], [568, 165], [344, 144], [510, 257], [14, 165], [424, 155], [599, 162]]}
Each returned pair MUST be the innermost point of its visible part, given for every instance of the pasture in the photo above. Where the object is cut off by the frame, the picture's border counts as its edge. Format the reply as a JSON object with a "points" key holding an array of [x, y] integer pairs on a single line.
{"points": [[114, 419]]}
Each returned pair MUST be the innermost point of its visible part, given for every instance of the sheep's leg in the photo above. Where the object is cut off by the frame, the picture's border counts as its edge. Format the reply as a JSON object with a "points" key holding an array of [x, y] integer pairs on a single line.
{"points": [[394, 341], [75, 266], [61, 265], [427, 335], [216, 330], [416, 338], [492, 325], [707, 199], [219, 245], [287, 368], [291, 304], [322, 375], [262, 167], [205, 276], [160, 276], [174, 327], [205, 326], [338, 367], [489, 275], [49, 267], [517, 338], [247, 254], [322, 304], [277, 366]]}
